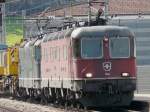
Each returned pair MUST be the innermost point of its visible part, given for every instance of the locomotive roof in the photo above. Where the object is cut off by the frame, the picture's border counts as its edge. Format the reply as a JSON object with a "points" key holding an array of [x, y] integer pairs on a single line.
{"points": [[32, 42], [101, 31], [28, 44], [92, 31], [23, 44], [38, 42], [57, 35]]}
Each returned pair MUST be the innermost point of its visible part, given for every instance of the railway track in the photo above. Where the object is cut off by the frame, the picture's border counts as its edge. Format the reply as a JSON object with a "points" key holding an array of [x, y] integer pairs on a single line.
{"points": [[5, 109], [136, 106]]}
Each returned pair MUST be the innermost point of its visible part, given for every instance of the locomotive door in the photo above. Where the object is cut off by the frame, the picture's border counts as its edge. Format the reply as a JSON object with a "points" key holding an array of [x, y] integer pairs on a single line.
{"points": [[70, 58]]}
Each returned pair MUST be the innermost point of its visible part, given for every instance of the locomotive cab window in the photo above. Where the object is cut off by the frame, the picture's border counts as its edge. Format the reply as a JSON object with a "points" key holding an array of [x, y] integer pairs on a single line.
{"points": [[91, 48], [120, 47]]}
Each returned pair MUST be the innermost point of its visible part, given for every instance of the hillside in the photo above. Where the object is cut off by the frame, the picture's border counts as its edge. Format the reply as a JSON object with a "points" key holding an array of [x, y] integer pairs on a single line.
{"points": [[34, 6], [14, 31], [14, 28]]}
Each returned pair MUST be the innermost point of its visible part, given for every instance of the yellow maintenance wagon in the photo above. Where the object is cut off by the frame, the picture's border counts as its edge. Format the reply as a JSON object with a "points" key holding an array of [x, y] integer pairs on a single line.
{"points": [[1, 71], [9, 71], [11, 61]]}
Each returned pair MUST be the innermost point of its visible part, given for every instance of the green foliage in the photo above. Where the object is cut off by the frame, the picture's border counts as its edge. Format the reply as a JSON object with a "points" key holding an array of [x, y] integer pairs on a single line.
{"points": [[14, 30], [12, 39]]}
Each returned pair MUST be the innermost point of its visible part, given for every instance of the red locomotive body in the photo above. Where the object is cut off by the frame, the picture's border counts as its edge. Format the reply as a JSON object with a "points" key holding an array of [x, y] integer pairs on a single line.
{"points": [[97, 65], [55, 64]]}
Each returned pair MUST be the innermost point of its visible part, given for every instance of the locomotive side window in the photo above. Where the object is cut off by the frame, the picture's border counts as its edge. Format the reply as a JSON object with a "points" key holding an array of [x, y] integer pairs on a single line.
{"points": [[119, 47], [58, 53], [43, 53], [55, 53], [76, 48], [65, 52], [91, 48], [37, 54], [46, 55], [50, 53]]}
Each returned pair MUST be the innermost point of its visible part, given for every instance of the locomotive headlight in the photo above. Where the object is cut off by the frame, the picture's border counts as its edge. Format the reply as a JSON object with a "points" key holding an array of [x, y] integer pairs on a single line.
{"points": [[105, 39], [89, 75], [125, 74]]}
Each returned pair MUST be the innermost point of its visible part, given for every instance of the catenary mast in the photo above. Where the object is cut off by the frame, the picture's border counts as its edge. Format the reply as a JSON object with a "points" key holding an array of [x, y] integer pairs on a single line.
{"points": [[2, 29]]}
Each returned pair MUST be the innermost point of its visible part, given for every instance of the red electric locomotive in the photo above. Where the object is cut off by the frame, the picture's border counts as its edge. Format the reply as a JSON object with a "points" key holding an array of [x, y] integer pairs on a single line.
{"points": [[95, 66]]}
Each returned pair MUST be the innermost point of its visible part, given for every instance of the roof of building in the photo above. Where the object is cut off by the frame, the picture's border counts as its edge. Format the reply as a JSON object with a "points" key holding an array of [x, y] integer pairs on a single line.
{"points": [[114, 7], [129, 6]]}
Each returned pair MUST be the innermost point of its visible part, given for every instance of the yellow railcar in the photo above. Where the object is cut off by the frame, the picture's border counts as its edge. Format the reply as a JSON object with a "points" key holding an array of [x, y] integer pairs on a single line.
{"points": [[11, 61], [3, 49], [2, 71], [10, 70]]}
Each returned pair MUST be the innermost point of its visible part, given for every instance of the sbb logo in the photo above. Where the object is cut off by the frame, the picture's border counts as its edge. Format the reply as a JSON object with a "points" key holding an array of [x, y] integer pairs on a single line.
{"points": [[107, 66]]}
